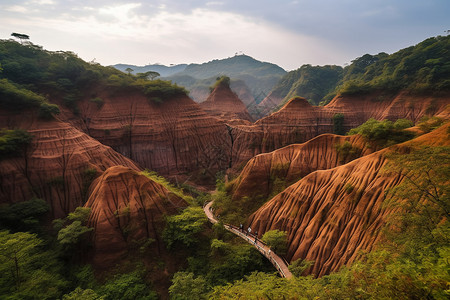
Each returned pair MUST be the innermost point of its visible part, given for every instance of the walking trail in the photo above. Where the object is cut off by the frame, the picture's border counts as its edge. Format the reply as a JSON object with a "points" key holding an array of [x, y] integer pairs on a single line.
{"points": [[279, 263]]}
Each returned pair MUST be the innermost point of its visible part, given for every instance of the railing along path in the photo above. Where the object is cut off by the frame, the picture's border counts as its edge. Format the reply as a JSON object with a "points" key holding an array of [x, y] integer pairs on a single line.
{"points": [[279, 263]]}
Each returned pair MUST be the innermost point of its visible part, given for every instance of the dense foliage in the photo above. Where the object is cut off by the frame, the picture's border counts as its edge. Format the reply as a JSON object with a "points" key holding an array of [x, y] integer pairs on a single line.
{"points": [[310, 82], [384, 133], [276, 240], [29, 70], [13, 142], [183, 229], [424, 67], [421, 68], [221, 81]]}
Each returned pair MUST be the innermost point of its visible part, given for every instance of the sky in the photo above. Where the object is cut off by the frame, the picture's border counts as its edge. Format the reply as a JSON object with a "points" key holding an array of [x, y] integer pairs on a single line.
{"points": [[285, 32]]}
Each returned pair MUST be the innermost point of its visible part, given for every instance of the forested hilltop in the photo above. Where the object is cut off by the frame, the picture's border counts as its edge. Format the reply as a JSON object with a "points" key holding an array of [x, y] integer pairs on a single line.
{"points": [[423, 68], [30, 74]]}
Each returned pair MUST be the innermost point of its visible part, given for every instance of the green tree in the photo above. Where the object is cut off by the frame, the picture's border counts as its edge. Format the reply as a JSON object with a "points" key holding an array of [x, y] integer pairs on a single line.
{"points": [[338, 124], [185, 287], [298, 266], [20, 36], [277, 240], [23, 216], [150, 74], [26, 270], [13, 142], [81, 294], [185, 227], [129, 286], [47, 111], [384, 133], [129, 70], [71, 230]]}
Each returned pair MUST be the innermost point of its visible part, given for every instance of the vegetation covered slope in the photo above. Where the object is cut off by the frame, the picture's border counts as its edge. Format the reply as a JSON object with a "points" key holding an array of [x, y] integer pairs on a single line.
{"points": [[310, 82], [423, 68], [65, 78]]}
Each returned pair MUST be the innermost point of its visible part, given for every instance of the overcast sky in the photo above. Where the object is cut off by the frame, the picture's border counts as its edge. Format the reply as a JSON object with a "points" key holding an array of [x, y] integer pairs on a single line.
{"points": [[285, 32]]}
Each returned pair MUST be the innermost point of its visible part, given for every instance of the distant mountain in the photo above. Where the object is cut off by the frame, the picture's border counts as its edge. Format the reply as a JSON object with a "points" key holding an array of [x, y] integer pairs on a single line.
{"points": [[310, 82], [258, 77], [164, 71], [234, 67]]}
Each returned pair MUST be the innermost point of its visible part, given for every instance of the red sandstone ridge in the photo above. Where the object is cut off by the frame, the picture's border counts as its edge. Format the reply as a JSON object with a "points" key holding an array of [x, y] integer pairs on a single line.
{"points": [[58, 166], [298, 121], [266, 173], [330, 215], [128, 209], [171, 136], [224, 104]]}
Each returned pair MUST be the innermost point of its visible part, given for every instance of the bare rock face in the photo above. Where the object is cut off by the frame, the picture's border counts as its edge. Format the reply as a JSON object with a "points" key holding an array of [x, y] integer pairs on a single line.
{"points": [[169, 136], [265, 173], [58, 166], [298, 121], [128, 211], [330, 215], [224, 104]]}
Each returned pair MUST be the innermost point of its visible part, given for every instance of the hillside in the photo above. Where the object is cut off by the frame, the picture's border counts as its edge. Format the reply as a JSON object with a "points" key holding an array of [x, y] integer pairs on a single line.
{"points": [[310, 82], [419, 69]]}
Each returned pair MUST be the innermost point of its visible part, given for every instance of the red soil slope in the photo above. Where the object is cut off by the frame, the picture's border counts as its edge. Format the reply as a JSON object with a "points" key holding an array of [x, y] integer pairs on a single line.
{"points": [[291, 163], [298, 121], [224, 104], [55, 166], [171, 137], [330, 215], [127, 209]]}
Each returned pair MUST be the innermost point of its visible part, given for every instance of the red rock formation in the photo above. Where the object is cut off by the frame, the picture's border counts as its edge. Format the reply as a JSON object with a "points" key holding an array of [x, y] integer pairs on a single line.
{"points": [[291, 163], [224, 104], [55, 166], [298, 121], [128, 209], [170, 137], [330, 215]]}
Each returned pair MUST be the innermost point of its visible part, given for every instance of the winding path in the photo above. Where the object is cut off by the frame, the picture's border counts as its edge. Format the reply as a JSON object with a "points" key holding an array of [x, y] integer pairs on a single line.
{"points": [[279, 263]]}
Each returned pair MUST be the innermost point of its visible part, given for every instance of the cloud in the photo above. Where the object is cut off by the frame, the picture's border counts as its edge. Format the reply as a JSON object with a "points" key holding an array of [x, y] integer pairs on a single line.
{"points": [[286, 32]]}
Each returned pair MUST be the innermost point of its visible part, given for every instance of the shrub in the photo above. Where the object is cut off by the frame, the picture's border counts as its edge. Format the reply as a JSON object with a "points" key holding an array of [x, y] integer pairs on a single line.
{"points": [[13, 142], [98, 101], [277, 240], [384, 133], [338, 124], [47, 111]]}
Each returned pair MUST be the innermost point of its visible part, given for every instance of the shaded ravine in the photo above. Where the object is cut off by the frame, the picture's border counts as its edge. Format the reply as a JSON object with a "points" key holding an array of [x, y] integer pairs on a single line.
{"points": [[279, 263]]}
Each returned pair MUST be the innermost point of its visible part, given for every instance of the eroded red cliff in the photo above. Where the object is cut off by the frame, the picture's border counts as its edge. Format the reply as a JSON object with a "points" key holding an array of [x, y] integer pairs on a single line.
{"points": [[267, 173], [128, 211], [170, 136], [298, 121], [330, 215], [58, 166], [224, 104]]}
